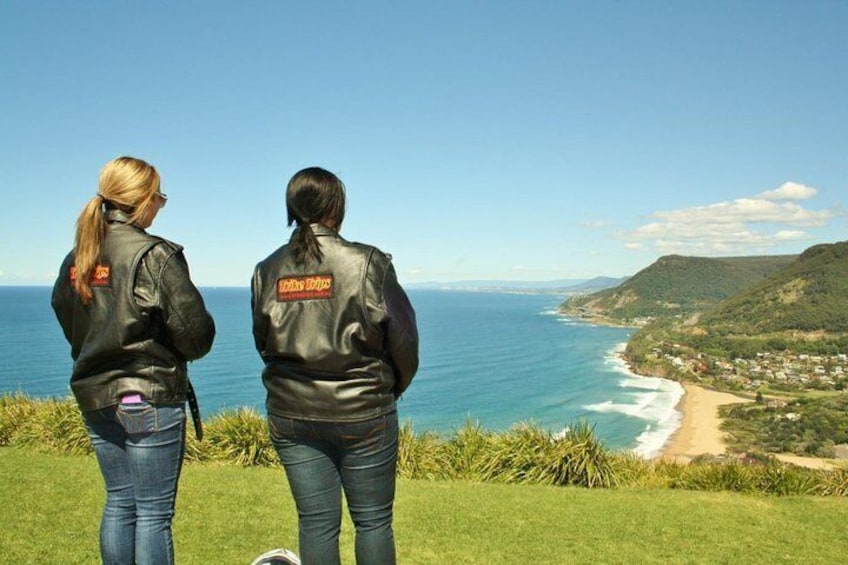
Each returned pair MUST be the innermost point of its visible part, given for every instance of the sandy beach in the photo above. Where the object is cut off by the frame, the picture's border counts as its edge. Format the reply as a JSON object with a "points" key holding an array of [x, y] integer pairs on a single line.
{"points": [[699, 432]]}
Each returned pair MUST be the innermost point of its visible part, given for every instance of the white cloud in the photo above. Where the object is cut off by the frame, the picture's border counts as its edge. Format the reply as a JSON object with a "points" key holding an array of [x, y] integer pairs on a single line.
{"points": [[790, 235], [737, 226], [789, 191]]}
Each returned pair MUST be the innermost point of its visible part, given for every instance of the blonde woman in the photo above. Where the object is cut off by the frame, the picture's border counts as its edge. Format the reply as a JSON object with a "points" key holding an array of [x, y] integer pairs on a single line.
{"points": [[134, 319]]}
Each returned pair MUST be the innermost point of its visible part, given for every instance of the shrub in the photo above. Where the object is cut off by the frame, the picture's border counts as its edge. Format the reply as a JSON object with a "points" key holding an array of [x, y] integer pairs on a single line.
{"points": [[519, 456], [528, 454], [581, 459], [467, 450], [421, 456], [834, 483], [239, 436], [50, 425], [785, 480], [16, 410]]}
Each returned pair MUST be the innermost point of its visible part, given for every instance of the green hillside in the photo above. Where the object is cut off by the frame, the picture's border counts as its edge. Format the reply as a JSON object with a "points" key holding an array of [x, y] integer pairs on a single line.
{"points": [[788, 333], [676, 286], [808, 295]]}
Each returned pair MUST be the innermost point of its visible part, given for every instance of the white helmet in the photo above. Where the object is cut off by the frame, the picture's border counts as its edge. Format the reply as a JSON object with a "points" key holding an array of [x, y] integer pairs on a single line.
{"points": [[277, 557]]}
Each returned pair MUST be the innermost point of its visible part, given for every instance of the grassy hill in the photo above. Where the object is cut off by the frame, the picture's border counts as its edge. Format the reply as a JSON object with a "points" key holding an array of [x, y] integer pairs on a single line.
{"points": [[786, 335], [808, 295], [676, 286], [802, 308]]}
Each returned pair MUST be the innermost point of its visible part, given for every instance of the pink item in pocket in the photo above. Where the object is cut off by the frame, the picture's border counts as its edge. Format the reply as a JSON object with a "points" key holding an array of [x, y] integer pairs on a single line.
{"points": [[131, 399]]}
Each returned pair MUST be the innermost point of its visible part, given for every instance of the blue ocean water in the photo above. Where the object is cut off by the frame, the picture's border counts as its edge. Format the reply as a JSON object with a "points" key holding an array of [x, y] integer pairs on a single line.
{"points": [[493, 358]]}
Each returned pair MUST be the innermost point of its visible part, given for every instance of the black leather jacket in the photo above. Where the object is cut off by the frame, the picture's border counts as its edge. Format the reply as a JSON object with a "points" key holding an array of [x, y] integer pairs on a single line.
{"points": [[338, 337], [145, 321]]}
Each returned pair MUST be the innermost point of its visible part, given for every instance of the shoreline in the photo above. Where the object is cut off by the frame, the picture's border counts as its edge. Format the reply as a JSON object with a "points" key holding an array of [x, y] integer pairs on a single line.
{"points": [[699, 432]]}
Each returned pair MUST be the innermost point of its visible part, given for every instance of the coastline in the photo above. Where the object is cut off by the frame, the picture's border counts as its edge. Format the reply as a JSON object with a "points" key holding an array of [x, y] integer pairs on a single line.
{"points": [[699, 432]]}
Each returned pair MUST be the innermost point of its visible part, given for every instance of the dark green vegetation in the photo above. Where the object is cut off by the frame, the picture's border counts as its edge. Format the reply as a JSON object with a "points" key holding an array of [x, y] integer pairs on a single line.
{"points": [[808, 295], [522, 455], [785, 334], [227, 515], [675, 286], [806, 426]]}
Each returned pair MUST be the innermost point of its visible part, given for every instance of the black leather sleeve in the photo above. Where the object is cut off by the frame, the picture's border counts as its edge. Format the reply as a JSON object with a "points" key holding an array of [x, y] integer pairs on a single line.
{"points": [[188, 325], [398, 322], [260, 321], [63, 297]]}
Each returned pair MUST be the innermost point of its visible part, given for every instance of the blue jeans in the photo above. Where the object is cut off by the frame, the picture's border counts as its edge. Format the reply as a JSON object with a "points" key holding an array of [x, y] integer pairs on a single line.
{"points": [[140, 450], [321, 459]]}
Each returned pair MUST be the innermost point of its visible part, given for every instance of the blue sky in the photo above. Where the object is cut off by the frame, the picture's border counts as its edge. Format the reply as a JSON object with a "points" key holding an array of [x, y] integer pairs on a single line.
{"points": [[477, 140]]}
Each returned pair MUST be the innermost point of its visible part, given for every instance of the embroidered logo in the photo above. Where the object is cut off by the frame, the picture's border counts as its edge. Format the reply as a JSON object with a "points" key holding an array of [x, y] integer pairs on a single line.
{"points": [[310, 287], [100, 276]]}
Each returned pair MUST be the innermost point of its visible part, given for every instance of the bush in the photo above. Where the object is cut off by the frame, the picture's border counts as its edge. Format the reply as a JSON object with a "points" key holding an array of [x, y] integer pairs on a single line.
{"points": [[240, 437], [50, 425], [524, 454], [15, 412], [528, 454], [834, 483], [717, 476], [467, 450], [421, 456]]}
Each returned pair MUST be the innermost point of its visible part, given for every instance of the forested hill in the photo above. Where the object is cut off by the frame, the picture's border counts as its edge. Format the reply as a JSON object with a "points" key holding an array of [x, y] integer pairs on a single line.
{"points": [[676, 286], [810, 294]]}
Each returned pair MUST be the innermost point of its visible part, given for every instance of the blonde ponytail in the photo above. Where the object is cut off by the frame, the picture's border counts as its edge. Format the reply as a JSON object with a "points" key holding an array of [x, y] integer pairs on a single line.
{"points": [[91, 231], [127, 184]]}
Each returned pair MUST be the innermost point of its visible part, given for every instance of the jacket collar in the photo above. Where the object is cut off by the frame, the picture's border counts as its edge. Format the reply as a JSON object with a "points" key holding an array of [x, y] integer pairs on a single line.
{"points": [[320, 229], [115, 215]]}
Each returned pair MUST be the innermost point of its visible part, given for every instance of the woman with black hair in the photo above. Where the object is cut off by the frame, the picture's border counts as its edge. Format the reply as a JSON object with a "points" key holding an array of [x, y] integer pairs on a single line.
{"points": [[339, 340]]}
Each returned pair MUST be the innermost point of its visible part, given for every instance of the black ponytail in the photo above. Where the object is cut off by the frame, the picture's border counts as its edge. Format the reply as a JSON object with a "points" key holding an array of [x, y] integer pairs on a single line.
{"points": [[313, 196], [305, 244]]}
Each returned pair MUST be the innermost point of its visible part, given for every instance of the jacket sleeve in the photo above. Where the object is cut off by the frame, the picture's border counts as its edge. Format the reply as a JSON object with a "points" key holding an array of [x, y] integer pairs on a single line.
{"points": [[260, 321], [189, 326], [62, 298], [398, 322]]}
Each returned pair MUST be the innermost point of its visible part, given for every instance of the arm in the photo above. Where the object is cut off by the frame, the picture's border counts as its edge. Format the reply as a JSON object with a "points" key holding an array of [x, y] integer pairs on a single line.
{"points": [[190, 328], [397, 317], [260, 321], [62, 299]]}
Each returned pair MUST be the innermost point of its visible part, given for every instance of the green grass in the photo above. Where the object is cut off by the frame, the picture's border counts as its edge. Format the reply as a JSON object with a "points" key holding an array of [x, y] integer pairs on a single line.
{"points": [[228, 514]]}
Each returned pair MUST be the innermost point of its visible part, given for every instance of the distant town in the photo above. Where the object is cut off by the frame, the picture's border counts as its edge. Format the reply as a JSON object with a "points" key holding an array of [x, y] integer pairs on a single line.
{"points": [[779, 370]]}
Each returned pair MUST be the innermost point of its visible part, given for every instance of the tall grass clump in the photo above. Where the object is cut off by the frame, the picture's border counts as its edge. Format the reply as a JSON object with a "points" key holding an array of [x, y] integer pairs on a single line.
{"points": [[767, 476], [834, 483], [716, 476], [466, 452], [529, 454], [787, 480], [238, 436], [46, 425], [421, 456], [16, 410]]}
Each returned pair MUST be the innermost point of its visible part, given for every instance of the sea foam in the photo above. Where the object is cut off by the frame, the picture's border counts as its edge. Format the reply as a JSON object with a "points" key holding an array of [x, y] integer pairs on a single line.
{"points": [[654, 400]]}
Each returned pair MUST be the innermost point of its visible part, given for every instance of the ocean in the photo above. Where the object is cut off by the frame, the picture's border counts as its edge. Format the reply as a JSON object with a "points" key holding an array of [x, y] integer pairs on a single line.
{"points": [[493, 358]]}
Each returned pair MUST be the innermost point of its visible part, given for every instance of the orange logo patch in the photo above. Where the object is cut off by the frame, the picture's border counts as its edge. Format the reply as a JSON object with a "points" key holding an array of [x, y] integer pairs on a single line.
{"points": [[311, 287], [100, 276]]}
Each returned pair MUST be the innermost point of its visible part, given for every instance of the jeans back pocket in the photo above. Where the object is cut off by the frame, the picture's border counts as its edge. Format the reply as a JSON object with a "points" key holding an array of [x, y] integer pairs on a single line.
{"points": [[137, 418]]}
